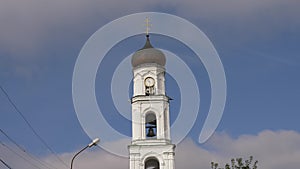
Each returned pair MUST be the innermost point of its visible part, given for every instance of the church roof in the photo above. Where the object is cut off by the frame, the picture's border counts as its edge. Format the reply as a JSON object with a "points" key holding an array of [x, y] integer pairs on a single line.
{"points": [[148, 54]]}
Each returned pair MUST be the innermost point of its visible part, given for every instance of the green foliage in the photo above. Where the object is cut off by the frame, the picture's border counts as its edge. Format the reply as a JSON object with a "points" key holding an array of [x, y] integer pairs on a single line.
{"points": [[237, 163]]}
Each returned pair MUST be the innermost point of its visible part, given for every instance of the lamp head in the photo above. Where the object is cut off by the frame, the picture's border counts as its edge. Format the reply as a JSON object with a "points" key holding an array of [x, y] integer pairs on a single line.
{"points": [[94, 142]]}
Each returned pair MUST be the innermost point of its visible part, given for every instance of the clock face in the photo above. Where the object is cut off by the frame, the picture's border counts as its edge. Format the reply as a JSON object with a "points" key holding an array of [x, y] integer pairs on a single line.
{"points": [[149, 82]]}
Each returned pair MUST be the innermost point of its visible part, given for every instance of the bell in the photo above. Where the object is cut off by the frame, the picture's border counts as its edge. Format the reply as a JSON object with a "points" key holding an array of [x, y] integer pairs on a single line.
{"points": [[151, 132]]}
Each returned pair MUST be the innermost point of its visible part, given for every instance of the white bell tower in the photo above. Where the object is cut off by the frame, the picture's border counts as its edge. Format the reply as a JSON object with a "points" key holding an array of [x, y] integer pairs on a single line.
{"points": [[151, 146]]}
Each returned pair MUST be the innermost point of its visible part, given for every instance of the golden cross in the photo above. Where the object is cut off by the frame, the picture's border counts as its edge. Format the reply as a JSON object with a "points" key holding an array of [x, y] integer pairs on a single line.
{"points": [[147, 25]]}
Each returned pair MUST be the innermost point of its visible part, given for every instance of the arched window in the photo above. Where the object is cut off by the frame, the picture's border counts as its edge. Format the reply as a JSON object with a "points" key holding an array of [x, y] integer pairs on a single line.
{"points": [[150, 125], [152, 163]]}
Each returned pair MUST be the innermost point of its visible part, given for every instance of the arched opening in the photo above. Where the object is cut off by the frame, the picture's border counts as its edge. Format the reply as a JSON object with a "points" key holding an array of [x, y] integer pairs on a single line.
{"points": [[152, 163], [149, 90], [151, 130]]}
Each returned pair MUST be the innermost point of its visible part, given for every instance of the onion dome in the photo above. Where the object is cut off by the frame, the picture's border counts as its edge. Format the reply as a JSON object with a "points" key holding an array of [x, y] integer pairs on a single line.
{"points": [[148, 54]]}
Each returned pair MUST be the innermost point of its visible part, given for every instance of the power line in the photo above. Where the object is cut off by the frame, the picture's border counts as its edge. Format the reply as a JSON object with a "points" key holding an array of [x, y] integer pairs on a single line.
{"points": [[23, 150], [6, 165], [13, 141], [10, 149], [32, 129]]}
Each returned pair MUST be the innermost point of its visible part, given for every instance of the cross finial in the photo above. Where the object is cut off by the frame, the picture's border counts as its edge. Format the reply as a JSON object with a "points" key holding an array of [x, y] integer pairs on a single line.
{"points": [[147, 26]]}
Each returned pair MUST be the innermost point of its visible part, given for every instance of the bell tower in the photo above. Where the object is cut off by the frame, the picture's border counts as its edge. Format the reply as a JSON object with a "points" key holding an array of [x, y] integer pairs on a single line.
{"points": [[151, 146]]}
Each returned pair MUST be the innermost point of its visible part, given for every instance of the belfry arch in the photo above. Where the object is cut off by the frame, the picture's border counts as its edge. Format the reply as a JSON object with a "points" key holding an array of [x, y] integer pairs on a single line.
{"points": [[152, 163], [150, 125]]}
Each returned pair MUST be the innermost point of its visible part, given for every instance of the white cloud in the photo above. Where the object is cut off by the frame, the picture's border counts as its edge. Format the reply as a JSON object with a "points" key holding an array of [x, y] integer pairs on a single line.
{"points": [[91, 160], [272, 149]]}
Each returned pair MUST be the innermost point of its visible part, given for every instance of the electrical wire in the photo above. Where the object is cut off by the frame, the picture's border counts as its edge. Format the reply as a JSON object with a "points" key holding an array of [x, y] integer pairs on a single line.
{"points": [[43, 163], [32, 129], [19, 155], [13, 141], [6, 165]]}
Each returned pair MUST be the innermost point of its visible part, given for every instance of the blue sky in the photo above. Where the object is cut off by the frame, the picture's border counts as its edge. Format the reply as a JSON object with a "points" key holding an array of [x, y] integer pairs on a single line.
{"points": [[257, 41]]}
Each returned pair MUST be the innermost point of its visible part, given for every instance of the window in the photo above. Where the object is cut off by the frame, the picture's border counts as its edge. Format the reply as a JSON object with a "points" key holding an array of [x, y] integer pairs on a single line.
{"points": [[152, 163], [150, 125], [149, 91]]}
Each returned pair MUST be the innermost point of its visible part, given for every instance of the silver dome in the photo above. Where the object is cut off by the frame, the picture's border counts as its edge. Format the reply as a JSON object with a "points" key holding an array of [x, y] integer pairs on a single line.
{"points": [[148, 54]]}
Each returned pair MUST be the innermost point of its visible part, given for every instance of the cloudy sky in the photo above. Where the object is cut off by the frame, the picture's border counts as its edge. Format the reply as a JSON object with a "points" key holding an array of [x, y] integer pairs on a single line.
{"points": [[258, 44]]}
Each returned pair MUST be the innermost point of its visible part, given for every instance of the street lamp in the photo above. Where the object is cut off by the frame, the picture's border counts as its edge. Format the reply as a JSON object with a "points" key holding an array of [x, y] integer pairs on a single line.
{"points": [[93, 143]]}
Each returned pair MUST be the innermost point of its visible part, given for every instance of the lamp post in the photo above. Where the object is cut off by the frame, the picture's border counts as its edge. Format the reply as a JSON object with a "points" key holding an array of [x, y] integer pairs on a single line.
{"points": [[93, 143]]}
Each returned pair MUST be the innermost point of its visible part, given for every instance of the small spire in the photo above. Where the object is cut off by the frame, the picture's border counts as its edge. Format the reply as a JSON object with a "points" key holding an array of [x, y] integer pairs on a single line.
{"points": [[147, 44]]}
